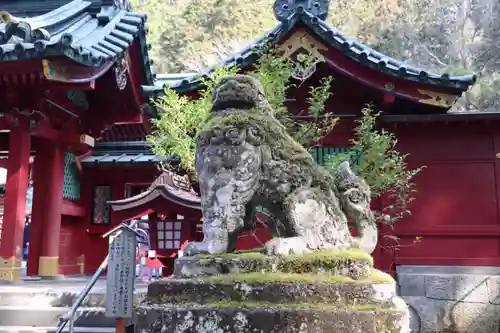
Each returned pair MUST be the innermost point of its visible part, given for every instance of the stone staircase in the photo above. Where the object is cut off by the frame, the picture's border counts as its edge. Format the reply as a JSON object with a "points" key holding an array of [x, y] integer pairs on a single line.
{"points": [[30, 310]]}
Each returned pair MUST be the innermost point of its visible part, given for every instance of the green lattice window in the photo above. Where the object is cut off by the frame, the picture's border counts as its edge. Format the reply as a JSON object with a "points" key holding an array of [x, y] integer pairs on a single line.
{"points": [[100, 207], [71, 189], [322, 154]]}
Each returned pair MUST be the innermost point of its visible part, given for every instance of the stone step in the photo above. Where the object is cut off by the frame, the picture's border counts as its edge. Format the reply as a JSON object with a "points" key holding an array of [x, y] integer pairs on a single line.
{"points": [[54, 298], [352, 263], [260, 317], [379, 289], [30, 329], [43, 316]]}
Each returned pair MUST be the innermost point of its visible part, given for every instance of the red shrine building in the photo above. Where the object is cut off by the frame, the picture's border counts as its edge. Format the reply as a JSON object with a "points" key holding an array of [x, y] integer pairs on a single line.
{"points": [[69, 72], [75, 82]]}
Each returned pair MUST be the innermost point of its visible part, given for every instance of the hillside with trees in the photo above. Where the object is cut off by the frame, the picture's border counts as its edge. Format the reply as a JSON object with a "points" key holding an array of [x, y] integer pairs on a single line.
{"points": [[454, 36]]}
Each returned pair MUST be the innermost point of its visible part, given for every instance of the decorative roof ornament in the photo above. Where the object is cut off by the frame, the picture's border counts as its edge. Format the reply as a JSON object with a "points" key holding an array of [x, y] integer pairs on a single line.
{"points": [[121, 73], [305, 52], [20, 30], [123, 4], [283, 9], [304, 66]]}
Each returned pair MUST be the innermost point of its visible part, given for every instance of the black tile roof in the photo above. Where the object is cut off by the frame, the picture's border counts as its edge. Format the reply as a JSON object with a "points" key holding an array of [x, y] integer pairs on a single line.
{"points": [[89, 32], [351, 48], [121, 153]]}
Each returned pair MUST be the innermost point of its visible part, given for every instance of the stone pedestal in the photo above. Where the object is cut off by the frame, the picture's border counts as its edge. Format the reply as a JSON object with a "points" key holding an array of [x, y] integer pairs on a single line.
{"points": [[324, 292]]}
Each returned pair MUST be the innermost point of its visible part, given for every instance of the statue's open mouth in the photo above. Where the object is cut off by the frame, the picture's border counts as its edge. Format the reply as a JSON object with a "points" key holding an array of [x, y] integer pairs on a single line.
{"points": [[232, 104]]}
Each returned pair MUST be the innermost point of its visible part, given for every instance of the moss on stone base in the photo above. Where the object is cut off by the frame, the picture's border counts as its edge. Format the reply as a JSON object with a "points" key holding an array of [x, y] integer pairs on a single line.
{"points": [[303, 260], [257, 254], [294, 306], [375, 277], [352, 263]]}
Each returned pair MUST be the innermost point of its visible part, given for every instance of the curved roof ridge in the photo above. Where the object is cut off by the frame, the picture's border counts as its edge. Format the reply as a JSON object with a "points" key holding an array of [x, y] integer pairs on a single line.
{"points": [[389, 65]]}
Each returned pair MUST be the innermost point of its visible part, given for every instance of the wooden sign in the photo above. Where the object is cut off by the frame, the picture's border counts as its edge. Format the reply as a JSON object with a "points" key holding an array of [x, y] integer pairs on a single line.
{"points": [[121, 272]]}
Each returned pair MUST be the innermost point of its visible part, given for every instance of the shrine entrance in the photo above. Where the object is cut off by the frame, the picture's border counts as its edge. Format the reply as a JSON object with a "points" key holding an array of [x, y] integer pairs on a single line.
{"points": [[173, 213]]}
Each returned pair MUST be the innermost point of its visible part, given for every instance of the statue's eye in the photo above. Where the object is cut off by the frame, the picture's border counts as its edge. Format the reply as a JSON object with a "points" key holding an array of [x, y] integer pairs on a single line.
{"points": [[355, 196]]}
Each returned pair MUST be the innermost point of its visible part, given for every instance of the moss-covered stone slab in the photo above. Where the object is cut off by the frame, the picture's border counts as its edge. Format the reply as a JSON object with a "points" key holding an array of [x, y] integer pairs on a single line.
{"points": [[378, 289], [259, 318], [352, 263]]}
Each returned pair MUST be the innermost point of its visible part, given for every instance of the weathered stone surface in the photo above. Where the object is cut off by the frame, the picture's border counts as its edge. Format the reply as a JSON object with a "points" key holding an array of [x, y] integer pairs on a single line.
{"points": [[304, 293], [428, 314], [352, 263], [172, 291], [411, 285], [440, 287], [245, 157], [415, 323], [463, 288], [473, 317], [238, 319], [471, 288], [493, 286], [457, 299], [455, 317]]}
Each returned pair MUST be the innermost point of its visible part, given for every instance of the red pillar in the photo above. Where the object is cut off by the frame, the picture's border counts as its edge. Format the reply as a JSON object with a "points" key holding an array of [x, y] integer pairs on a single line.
{"points": [[11, 242], [36, 228], [153, 232], [48, 178]]}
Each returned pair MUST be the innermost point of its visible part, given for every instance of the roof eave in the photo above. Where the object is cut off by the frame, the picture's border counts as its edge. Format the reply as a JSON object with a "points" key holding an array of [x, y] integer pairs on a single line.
{"points": [[380, 62]]}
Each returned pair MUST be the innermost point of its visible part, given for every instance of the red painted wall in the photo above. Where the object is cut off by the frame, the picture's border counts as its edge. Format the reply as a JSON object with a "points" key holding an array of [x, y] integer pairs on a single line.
{"points": [[71, 245], [456, 211], [95, 246]]}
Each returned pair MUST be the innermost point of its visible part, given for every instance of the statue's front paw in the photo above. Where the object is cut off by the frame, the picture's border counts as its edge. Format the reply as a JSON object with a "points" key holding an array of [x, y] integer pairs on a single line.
{"points": [[286, 246], [194, 248]]}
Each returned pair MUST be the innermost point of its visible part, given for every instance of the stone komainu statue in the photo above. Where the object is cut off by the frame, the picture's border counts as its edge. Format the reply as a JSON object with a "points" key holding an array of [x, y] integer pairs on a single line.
{"points": [[245, 158]]}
